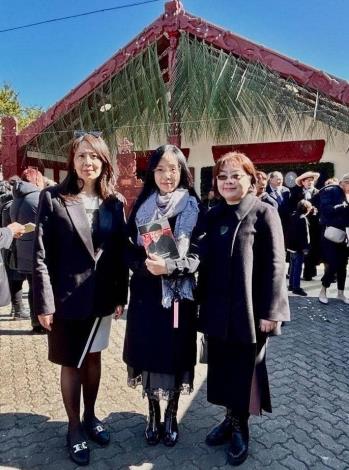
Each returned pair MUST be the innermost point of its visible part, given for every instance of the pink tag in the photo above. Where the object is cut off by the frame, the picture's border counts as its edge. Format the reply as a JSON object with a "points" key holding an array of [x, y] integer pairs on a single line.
{"points": [[175, 314]]}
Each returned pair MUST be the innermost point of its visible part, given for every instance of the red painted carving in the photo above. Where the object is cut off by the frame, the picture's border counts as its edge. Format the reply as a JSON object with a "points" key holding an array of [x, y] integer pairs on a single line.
{"points": [[8, 152], [174, 7], [299, 151], [128, 184], [143, 158]]}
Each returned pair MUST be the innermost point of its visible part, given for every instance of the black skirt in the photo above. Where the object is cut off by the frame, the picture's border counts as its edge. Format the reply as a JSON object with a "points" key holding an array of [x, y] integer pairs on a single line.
{"points": [[71, 340], [237, 377]]}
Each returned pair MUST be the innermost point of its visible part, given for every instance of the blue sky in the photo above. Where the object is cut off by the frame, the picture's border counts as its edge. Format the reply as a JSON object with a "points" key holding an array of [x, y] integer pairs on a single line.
{"points": [[44, 63]]}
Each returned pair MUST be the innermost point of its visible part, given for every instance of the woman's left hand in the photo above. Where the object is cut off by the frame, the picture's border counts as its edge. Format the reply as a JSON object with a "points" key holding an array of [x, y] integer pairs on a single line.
{"points": [[266, 326], [156, 265], [119, 310]]}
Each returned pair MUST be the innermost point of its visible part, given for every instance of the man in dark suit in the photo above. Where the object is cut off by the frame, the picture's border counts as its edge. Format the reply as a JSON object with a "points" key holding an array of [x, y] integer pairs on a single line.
{"points": [[7, 234], [261, 185], [281, 195]]}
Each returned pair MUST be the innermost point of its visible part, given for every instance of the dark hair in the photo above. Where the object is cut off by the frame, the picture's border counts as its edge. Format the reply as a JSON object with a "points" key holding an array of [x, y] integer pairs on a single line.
{"points": [[155, 227], [105, 183], [238, 159], [186, 180], [303, 206]]}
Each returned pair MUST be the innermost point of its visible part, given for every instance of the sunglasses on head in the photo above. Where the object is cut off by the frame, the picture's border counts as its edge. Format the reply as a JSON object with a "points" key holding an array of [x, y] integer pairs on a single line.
{"points": [[81, 133]]}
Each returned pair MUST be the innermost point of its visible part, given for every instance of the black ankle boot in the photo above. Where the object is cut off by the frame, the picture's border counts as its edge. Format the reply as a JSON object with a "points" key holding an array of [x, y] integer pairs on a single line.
{"points": [[153, 429], [170, 437], [238, 449], [222, 432]]}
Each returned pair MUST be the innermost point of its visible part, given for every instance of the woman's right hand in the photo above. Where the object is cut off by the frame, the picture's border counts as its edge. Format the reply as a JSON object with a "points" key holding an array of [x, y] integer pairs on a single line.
{"points": [[46, 321]]}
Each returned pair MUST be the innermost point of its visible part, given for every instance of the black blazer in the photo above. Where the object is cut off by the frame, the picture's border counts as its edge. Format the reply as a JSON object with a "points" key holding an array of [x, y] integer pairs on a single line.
{"points": [[69, 278]]}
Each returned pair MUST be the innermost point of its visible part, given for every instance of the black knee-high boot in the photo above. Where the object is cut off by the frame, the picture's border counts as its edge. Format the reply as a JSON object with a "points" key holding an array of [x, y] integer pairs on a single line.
{"points": [[221, 433], [153, 429], [170, 425], [238, 449]]}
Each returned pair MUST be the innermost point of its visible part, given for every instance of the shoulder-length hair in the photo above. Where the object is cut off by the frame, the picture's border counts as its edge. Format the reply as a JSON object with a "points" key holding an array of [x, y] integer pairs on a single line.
{"points": [[186, 179], [105, 183], [236, 159]]}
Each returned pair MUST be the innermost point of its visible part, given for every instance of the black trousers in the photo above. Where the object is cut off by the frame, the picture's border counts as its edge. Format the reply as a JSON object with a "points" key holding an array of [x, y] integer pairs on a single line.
{"points": [[336, 259]]}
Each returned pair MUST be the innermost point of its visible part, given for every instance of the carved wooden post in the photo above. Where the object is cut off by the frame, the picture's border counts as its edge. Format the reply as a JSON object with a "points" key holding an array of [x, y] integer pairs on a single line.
{"points": [[8, 152], [172, 10], [128, 184]]}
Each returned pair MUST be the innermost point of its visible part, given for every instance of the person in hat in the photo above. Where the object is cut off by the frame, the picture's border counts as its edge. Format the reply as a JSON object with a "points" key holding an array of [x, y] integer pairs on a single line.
{"points": [[334, 212], [305, 190]]}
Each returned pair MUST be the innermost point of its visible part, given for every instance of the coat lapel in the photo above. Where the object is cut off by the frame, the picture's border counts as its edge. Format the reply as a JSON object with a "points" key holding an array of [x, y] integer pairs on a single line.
{"points": [[245, 206], [78, 217]]}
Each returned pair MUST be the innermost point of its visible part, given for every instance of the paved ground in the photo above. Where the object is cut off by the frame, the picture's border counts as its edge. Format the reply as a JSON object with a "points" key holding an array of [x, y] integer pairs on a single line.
{"points": [[309, 428]]}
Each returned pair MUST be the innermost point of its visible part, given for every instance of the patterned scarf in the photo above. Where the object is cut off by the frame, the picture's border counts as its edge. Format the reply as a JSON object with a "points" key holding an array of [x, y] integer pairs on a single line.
{"points": [[185, 207]]}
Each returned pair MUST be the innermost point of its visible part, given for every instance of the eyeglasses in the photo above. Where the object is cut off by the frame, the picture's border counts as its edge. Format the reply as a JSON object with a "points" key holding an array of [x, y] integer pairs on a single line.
{"points": [[81, 133], [234, 176]]}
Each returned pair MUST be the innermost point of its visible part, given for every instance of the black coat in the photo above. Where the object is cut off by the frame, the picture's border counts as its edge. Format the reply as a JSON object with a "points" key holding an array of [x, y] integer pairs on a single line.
{"points": [[242, 271], [334, 207], [298, 238], [70, 278], [151, 342]]}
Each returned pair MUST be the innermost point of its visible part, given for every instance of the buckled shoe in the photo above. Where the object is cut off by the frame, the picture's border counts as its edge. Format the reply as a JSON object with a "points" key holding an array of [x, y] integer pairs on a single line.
{"points": [[97, 432], [79, 451]]}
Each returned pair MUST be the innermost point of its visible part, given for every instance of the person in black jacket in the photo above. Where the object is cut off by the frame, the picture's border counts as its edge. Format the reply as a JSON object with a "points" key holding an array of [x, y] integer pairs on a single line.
{"points": [[243, 298], [305, 189], [334, 212], [280, 194], [298, 242], [160, 339], [80, 280]]}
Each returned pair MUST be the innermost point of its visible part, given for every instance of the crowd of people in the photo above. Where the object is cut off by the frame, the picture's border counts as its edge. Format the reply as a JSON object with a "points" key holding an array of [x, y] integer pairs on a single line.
{"points": [[227, 279]]}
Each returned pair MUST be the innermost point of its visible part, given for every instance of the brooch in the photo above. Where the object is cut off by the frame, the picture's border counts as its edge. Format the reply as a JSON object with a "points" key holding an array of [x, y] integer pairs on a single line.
{"points": [[224, 229]]}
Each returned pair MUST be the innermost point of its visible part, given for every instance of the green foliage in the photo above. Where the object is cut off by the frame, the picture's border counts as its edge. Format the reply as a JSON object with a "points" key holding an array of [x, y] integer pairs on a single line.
{"points": [[10, 106], [139, 108], [211, 93], [229, 98]]}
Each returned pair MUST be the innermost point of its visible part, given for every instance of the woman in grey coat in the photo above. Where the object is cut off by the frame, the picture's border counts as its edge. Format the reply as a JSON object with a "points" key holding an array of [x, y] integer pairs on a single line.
{"points": [[243, 298], [7, 234], [24, 209]]}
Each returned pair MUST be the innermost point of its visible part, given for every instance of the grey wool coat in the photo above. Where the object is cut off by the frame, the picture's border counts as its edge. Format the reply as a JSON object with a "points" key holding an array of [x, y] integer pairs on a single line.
{"points": [[242, 270], [6, 238]]}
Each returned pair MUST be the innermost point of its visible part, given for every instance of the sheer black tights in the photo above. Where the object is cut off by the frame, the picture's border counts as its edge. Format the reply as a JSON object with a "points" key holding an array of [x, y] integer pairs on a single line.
{"points": [[73, 380]]}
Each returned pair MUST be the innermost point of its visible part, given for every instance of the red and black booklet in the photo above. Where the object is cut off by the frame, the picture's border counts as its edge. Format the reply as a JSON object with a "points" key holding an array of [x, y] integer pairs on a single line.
{"points": [[158, 238]]}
